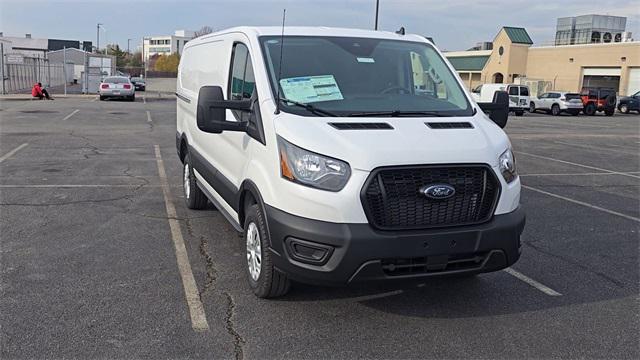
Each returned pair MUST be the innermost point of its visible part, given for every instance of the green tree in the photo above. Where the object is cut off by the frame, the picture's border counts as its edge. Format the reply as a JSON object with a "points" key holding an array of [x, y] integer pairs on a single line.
{"points": [[168, 63], [121, 56], [134, 60]]}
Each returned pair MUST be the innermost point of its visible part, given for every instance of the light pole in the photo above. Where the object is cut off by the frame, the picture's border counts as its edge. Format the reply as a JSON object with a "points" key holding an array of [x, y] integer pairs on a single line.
{"points": [[377, 8], [98, 37], [128, 41], [144, 58]]}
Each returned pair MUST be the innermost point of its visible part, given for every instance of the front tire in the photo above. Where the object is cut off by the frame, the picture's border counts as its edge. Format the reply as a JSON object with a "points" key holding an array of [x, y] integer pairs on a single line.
{"points": [[193, 196], [624, 109], [590, 109], [264, 279], [532, 107]]}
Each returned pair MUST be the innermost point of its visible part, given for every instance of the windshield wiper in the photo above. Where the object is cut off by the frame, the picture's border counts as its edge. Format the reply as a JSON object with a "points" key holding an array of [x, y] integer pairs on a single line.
{"points": [[398, 113], [309, 107]]}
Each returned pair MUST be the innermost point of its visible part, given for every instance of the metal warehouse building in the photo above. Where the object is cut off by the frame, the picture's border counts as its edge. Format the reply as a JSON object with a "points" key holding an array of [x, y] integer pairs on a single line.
{"points": [[514, 58]]}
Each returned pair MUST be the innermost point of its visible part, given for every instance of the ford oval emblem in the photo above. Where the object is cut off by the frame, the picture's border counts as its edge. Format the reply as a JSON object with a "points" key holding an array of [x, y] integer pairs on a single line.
{"points": [[438, 191]]}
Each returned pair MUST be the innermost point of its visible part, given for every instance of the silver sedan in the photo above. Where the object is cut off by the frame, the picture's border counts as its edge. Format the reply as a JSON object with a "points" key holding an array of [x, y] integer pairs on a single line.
{"points": [[117, 87]]}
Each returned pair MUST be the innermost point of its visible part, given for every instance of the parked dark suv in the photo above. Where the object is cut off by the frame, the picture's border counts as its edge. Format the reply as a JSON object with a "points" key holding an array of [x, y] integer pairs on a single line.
{"points": [[630, 103], [598, 99]]}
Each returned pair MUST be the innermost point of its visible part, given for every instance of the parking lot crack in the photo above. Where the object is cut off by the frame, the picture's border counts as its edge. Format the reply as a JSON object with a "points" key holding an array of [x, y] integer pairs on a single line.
{"points": [[578, 264], [238, 341], [145, 182], [87, 145], [90, 201], [210, 269]]}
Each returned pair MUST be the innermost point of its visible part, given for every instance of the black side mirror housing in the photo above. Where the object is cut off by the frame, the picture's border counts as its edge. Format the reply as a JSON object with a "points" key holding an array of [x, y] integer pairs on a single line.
{"points": [[498, 109], [211, 111]]}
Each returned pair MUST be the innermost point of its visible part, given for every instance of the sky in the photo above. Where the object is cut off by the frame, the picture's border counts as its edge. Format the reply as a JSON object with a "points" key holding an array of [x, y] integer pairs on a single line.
{"points": [[453, 24]]}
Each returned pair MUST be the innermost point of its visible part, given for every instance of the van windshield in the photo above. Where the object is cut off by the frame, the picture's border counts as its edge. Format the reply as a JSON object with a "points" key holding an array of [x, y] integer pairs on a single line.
{"points": [[347, 76]]}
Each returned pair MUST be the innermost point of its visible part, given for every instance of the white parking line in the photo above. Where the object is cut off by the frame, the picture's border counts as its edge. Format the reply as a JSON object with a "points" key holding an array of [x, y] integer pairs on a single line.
{"points": [[70, 115], [148, 116], [144, 99], [196, 310], [583, 203], [10, 153], [576, 164], [95, 98], [545, 289], [597, 148]]}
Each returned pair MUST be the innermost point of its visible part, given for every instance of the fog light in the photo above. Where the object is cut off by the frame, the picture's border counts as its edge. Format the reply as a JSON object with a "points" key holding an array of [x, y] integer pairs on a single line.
{"points": [[308, 252]]}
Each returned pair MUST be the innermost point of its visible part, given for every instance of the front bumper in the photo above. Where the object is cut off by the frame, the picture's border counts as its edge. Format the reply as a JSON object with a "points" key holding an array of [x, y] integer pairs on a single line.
{"points": [[357, 252]]}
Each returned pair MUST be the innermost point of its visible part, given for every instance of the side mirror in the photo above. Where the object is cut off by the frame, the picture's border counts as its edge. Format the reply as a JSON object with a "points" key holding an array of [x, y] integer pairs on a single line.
{"points": [[498, 109], [211, 114]]}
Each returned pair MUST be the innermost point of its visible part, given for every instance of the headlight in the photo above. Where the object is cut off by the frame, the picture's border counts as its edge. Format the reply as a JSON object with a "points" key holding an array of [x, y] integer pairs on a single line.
{"points": [[311, 169], [507, 163]]}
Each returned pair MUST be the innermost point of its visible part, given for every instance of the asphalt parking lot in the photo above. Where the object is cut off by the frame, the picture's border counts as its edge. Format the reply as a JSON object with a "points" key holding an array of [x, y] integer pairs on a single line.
{"points": [[88, 260]]}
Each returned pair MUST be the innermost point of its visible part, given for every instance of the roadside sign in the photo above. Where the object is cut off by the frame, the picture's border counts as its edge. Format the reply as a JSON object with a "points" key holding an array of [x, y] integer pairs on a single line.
{"points": [[14, 59]]}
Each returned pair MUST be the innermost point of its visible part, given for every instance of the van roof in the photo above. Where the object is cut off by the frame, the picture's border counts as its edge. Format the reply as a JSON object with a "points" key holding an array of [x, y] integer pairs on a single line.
{"points": [[256, 31]]}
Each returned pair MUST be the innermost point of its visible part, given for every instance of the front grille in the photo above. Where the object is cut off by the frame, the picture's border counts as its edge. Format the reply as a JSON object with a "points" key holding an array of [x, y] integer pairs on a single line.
{"points": [[427, 264], [392, 199]]}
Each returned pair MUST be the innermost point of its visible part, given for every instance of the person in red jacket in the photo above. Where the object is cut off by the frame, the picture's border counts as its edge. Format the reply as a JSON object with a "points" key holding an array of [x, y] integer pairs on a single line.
{"points": [[39, 92]]}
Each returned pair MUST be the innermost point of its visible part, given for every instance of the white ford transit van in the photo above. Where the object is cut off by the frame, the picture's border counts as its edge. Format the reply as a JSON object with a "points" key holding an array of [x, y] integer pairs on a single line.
{"points": [[518, 95], [345, 156]]}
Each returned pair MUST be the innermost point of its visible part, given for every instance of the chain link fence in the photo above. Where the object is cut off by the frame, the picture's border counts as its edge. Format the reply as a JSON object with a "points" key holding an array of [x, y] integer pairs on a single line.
{"points": [[20, 73]]}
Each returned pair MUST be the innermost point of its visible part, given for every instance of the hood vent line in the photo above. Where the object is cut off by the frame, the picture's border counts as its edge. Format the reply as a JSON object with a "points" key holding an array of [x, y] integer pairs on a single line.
{"points": [[361, 126], [449, 125]]}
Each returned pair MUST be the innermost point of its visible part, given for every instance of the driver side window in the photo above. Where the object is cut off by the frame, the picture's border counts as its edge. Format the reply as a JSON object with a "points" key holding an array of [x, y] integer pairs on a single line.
{"points": [[241, 78]]}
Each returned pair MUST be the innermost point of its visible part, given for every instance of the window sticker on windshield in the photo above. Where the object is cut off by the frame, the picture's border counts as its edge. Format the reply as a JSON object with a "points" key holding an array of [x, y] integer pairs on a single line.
{"points": [[365, 60], [306, 89]]}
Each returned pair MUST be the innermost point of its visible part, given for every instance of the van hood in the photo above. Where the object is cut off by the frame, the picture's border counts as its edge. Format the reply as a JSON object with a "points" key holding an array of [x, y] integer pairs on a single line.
{"points": [[409, 141]]}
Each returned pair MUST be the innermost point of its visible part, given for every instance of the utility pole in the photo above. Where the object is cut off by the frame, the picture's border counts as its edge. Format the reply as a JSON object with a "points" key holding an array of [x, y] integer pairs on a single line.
{"points": [[144, 58], [128, 41], [64, 64], [377, 8], [98, 38]]}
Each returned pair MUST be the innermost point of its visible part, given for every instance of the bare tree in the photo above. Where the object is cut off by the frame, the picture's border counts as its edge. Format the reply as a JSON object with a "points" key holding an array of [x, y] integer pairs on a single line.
{"points": [[204, 31]]}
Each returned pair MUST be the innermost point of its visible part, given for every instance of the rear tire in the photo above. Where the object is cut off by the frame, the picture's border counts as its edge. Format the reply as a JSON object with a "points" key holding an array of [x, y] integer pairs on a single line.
{"points": [[555, 110], [193, 196], [590, 109], [264, 279], [624, 109], [132, 98], [519, 112], [101, 98], [609, 112]]}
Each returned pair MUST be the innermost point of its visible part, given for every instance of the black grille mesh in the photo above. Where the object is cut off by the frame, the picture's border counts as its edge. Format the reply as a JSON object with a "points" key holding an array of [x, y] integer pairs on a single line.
{"points": [[392, 199]]}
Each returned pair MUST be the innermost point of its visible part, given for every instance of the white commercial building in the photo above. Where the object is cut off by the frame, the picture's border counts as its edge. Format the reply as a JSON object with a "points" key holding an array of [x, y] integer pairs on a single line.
{"points": [[166, 45]]}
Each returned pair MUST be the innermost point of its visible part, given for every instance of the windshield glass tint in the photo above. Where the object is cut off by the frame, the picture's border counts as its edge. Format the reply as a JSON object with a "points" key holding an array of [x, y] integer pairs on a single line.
{"points": [[116, 80], [357, 75]]}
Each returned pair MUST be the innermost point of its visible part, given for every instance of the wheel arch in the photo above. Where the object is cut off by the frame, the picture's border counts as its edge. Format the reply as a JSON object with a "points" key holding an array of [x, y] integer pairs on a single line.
{"points": [[248, 194], [182, 145]]}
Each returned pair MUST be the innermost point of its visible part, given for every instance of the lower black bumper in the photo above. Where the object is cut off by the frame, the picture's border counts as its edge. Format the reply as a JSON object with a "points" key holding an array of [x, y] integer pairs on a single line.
{"points": [[349, 253]]}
